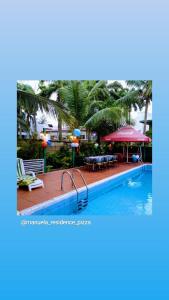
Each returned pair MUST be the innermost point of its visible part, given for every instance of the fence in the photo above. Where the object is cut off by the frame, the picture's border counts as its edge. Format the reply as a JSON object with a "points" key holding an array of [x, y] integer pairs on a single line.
{"points": [[35, 165]]}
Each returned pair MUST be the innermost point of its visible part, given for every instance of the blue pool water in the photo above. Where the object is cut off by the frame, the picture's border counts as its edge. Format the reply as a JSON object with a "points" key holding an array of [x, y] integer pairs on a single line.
{"points": [[129, 193], [133, 196]]}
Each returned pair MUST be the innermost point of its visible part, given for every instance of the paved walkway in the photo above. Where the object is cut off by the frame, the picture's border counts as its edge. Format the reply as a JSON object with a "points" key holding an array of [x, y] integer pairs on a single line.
{"points": [[52, 181]]}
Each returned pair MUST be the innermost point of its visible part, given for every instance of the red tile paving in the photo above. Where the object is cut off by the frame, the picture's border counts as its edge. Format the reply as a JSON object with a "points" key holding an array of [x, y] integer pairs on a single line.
{"points": [[52, 181]]}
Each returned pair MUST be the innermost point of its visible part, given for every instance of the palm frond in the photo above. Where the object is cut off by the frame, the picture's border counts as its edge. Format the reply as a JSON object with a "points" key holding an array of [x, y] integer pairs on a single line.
{"points": [[99, 88], [148, 89], [95, 104], [131, 97], [32, 103], [116, 85], [75, 98], [22, 124], [136, 83], [111, 114]]}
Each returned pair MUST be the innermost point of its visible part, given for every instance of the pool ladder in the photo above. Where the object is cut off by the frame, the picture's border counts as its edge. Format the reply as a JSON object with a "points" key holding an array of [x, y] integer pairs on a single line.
{"points": [[83, 202]]}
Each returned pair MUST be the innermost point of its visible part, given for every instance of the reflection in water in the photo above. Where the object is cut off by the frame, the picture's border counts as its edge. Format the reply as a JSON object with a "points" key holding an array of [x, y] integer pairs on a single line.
{"points": [[145, 207], [134, 184], [148, 205]]}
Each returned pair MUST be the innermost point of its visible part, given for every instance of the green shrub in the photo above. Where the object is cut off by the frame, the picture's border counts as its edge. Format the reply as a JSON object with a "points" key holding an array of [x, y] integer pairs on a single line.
{"points": [[49, 168], [60, 159], [29, 149], [66, 162], [89, 149], [79, 160], [149, 133]]}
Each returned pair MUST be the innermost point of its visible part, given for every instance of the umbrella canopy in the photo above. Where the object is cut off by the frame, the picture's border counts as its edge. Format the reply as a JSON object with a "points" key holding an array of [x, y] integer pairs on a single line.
{"points": [[126, 134]]}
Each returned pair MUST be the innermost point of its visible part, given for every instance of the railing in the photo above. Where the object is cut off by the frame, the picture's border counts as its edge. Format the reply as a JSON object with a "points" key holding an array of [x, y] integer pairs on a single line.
{"points": [[80, 203], [71, 177], [84, 181], [34, 165]]}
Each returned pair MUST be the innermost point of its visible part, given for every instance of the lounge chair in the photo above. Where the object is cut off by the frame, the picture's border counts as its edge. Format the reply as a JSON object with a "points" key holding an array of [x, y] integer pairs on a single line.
{"points": [[28, 178]]}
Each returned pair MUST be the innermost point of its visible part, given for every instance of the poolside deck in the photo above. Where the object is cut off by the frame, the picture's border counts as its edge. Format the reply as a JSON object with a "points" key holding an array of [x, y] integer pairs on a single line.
{"points": [[52, 181]]}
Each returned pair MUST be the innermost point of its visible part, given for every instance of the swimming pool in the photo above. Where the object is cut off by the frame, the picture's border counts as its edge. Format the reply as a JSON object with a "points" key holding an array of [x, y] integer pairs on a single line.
{"points": [[128, 193]]}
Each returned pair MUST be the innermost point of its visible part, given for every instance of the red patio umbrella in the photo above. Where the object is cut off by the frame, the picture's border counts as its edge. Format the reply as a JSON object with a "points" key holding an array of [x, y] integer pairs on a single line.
{"points": [[126, 134]]}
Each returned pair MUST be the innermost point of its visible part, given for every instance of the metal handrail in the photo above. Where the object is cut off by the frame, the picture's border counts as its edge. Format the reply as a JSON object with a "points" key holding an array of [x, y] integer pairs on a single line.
{"points": [[84, 181], [73, 182]]}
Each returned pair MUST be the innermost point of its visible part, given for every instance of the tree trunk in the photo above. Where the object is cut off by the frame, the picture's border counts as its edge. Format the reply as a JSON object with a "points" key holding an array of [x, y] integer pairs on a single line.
{"points": [[19, 131], [29, 125], [98, 137], [35, 123], [59, 120], [60, 128], [145, 116], [129, 116], [88, 135]]}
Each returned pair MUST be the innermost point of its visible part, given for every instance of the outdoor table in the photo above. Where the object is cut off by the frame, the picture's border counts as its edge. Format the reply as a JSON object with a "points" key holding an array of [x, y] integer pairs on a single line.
{"points": [[100, 160]]}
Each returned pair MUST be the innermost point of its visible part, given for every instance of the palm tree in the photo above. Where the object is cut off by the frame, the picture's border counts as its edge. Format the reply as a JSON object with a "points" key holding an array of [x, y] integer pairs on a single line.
{"points": [[28, 103], [80, 95], [54, 86], [75, 97], [103, 114], [116, 90], [105, 118], [26, 115], [113, 107], [144, 89], [98, 91], [130, 100]]}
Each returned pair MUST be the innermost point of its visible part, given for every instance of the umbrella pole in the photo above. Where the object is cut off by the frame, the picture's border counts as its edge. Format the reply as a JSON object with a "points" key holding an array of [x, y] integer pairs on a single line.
{"points": [[144, 151], [127, 153], [140, 154]]}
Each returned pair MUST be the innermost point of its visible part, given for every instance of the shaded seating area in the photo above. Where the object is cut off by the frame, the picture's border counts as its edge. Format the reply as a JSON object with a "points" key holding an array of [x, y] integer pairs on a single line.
{"points": [[94, 163], [128, 134], [135, 156]]}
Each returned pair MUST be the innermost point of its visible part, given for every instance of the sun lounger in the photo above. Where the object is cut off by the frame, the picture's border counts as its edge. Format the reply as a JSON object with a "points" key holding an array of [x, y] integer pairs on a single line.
{"points": [[28, 178]]}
